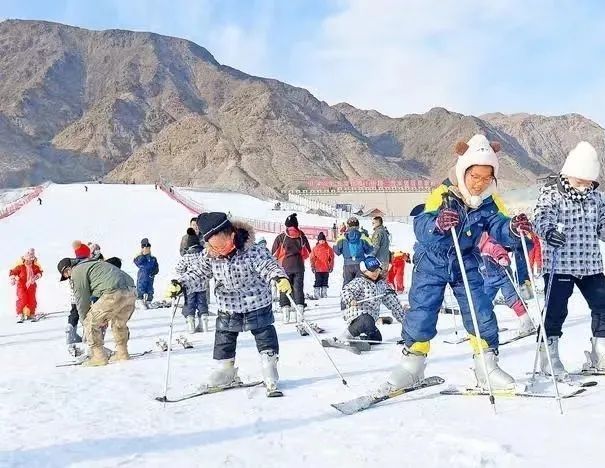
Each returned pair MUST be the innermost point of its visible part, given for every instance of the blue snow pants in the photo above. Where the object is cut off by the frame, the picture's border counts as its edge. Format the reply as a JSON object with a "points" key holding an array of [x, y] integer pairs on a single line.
{"points": [[430, 276], [145, 286], [195, 302], [495, 283]]}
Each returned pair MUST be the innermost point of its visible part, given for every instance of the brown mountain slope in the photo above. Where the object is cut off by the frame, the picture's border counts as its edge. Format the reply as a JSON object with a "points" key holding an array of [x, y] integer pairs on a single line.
{"points": [[75, 104]]}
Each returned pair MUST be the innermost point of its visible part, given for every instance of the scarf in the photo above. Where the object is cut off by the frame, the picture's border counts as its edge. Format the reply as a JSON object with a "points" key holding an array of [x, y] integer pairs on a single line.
{"points": [[573, 193]]}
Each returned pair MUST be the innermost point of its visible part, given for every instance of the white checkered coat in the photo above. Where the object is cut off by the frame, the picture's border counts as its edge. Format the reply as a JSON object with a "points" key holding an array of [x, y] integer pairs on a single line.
{"points": [[583, 221], [364, 288], [242, 280]]}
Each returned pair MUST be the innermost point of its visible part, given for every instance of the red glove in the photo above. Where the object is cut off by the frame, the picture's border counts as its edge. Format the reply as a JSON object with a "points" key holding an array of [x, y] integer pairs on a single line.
{"points": [[519, 224], [447, 219]]}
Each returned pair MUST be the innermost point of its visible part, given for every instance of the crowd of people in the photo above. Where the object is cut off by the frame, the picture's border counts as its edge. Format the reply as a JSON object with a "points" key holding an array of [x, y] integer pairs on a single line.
{"points": [[465, 239]]}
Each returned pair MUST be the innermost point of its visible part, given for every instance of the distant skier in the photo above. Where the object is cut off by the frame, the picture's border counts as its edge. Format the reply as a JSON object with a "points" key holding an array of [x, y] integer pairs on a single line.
{"points": [[572, 255], [497, 276], [185, 238], [381, 241], [322, 264], [242, 271], [115, 296], [396, 274], [195, 294], [354, 247], [362, 298], [24, 275], [148, 269], [82, 252], [39, 201], [291, 248], [86, 188]]}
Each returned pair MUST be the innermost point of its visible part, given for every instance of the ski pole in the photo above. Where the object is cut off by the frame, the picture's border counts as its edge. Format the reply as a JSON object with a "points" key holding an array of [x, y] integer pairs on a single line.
{"points": [[450, 295], [164, 397], [467, 289], [312, 332], [542, 338], [355, 340]]}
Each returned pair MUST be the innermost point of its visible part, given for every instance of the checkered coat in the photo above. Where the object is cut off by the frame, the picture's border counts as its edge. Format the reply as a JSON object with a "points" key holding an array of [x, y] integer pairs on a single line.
{"points": [[583, 221], [364, 288], [188, 261], [242, 279]]}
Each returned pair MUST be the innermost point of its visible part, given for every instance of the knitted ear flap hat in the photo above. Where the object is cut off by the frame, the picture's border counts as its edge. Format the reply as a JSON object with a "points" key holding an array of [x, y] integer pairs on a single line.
{"points": [[478, 151]]}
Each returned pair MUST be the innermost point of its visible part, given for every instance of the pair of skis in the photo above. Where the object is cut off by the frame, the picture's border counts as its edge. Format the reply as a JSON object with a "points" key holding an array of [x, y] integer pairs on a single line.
{"points": [[82, 359], [512, 339], [369, 400], [209, 390], [36, 318]]}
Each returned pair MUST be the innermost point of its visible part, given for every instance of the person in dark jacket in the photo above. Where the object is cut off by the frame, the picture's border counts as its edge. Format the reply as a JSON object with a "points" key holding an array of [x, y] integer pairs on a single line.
{"points": [[148, 268], [185, 239], [354, 247], [243, 272], [381, 241], [291, 248]]}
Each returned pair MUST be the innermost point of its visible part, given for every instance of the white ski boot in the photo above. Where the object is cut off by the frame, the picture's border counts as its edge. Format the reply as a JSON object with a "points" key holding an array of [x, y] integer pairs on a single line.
{"points": [[526, 326], [317, 293], [553, 348], [324, 292], [499, 379], [299, 313], [410, 371], [285, 310], [596, 358], [225, 375], [269, 361], [20, 318], [202, 324], [190, 324]]}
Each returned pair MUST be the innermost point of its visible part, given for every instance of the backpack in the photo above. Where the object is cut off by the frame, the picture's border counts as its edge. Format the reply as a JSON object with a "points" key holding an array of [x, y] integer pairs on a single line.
{"points": [[280, 253], [356, 249]]}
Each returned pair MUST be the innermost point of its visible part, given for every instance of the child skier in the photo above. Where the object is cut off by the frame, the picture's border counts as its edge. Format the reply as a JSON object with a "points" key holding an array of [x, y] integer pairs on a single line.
{"points": [[370, 290], [572, 255], [291, 248], [395, 277], [497, 276], [24, 275], [322, 264], [148, 268], [466, 200], [242, 271], [81, 252], [195, 294]]}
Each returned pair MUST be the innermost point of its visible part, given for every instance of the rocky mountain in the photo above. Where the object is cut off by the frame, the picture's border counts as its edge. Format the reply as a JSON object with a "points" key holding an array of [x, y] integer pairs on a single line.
{"points": [[130, 106]]}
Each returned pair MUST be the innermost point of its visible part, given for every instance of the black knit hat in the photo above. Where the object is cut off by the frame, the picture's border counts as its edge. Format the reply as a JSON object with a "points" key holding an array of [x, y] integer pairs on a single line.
{"points": [[192, 238], [292, 221], [321, 236], [212, 223], [63, 265], [145, 242]]}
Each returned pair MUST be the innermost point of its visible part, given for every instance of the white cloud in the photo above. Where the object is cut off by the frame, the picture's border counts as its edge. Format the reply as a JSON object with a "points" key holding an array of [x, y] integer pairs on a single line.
{"points": [[408, 56]]}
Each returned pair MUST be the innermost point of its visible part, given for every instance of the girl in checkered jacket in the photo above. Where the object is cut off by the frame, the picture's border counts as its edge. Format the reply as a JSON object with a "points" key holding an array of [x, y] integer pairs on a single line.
{"points": [[196, 294], [242, 272], [571, 252], [362, 298]]}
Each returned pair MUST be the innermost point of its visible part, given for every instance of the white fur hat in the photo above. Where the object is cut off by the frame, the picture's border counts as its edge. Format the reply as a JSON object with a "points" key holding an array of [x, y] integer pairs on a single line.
{"points": [[478, 151], [582, 162]]}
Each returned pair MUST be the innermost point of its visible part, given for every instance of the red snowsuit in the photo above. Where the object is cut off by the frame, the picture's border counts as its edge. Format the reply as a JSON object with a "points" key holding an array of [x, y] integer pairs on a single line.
{"points": [[26, 277], [322, 258], [395, 276]]}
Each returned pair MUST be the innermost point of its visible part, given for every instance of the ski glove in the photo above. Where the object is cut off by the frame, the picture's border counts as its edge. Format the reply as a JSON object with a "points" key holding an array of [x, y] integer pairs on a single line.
{"points": [[284, 286], [174, 289], [555, 238], [447, 219], [13, 280], [519, 224]]}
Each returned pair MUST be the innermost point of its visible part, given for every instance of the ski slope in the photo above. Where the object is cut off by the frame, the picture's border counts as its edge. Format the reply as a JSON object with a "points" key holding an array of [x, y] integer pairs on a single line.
{"points": [[107, 417]]}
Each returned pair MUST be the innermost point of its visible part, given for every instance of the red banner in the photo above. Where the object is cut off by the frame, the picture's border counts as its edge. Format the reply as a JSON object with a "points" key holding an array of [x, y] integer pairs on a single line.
{"points": [[405, 184]]}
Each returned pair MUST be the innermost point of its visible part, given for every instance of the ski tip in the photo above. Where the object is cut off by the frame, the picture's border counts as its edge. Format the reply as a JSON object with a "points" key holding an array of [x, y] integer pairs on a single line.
{"points": [[161, 399]]}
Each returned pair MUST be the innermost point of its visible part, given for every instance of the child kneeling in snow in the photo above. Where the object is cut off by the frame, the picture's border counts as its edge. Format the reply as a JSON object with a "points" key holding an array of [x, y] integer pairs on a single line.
{"points": [[242, 271], [362, 298], [195, 295]]}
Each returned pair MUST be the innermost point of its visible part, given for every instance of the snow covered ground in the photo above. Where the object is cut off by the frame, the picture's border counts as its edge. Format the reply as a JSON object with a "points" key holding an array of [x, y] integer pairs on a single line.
{"points": [[11, 195], [106, 417]]}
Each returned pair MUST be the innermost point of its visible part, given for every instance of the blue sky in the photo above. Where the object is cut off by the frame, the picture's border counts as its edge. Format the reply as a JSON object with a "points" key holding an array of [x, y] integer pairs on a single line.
{"points": [[395, 56]]}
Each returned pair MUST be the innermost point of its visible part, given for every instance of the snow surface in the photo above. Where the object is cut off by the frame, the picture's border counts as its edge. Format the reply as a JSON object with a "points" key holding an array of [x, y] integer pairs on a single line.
{"points": [[107, 417]]}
